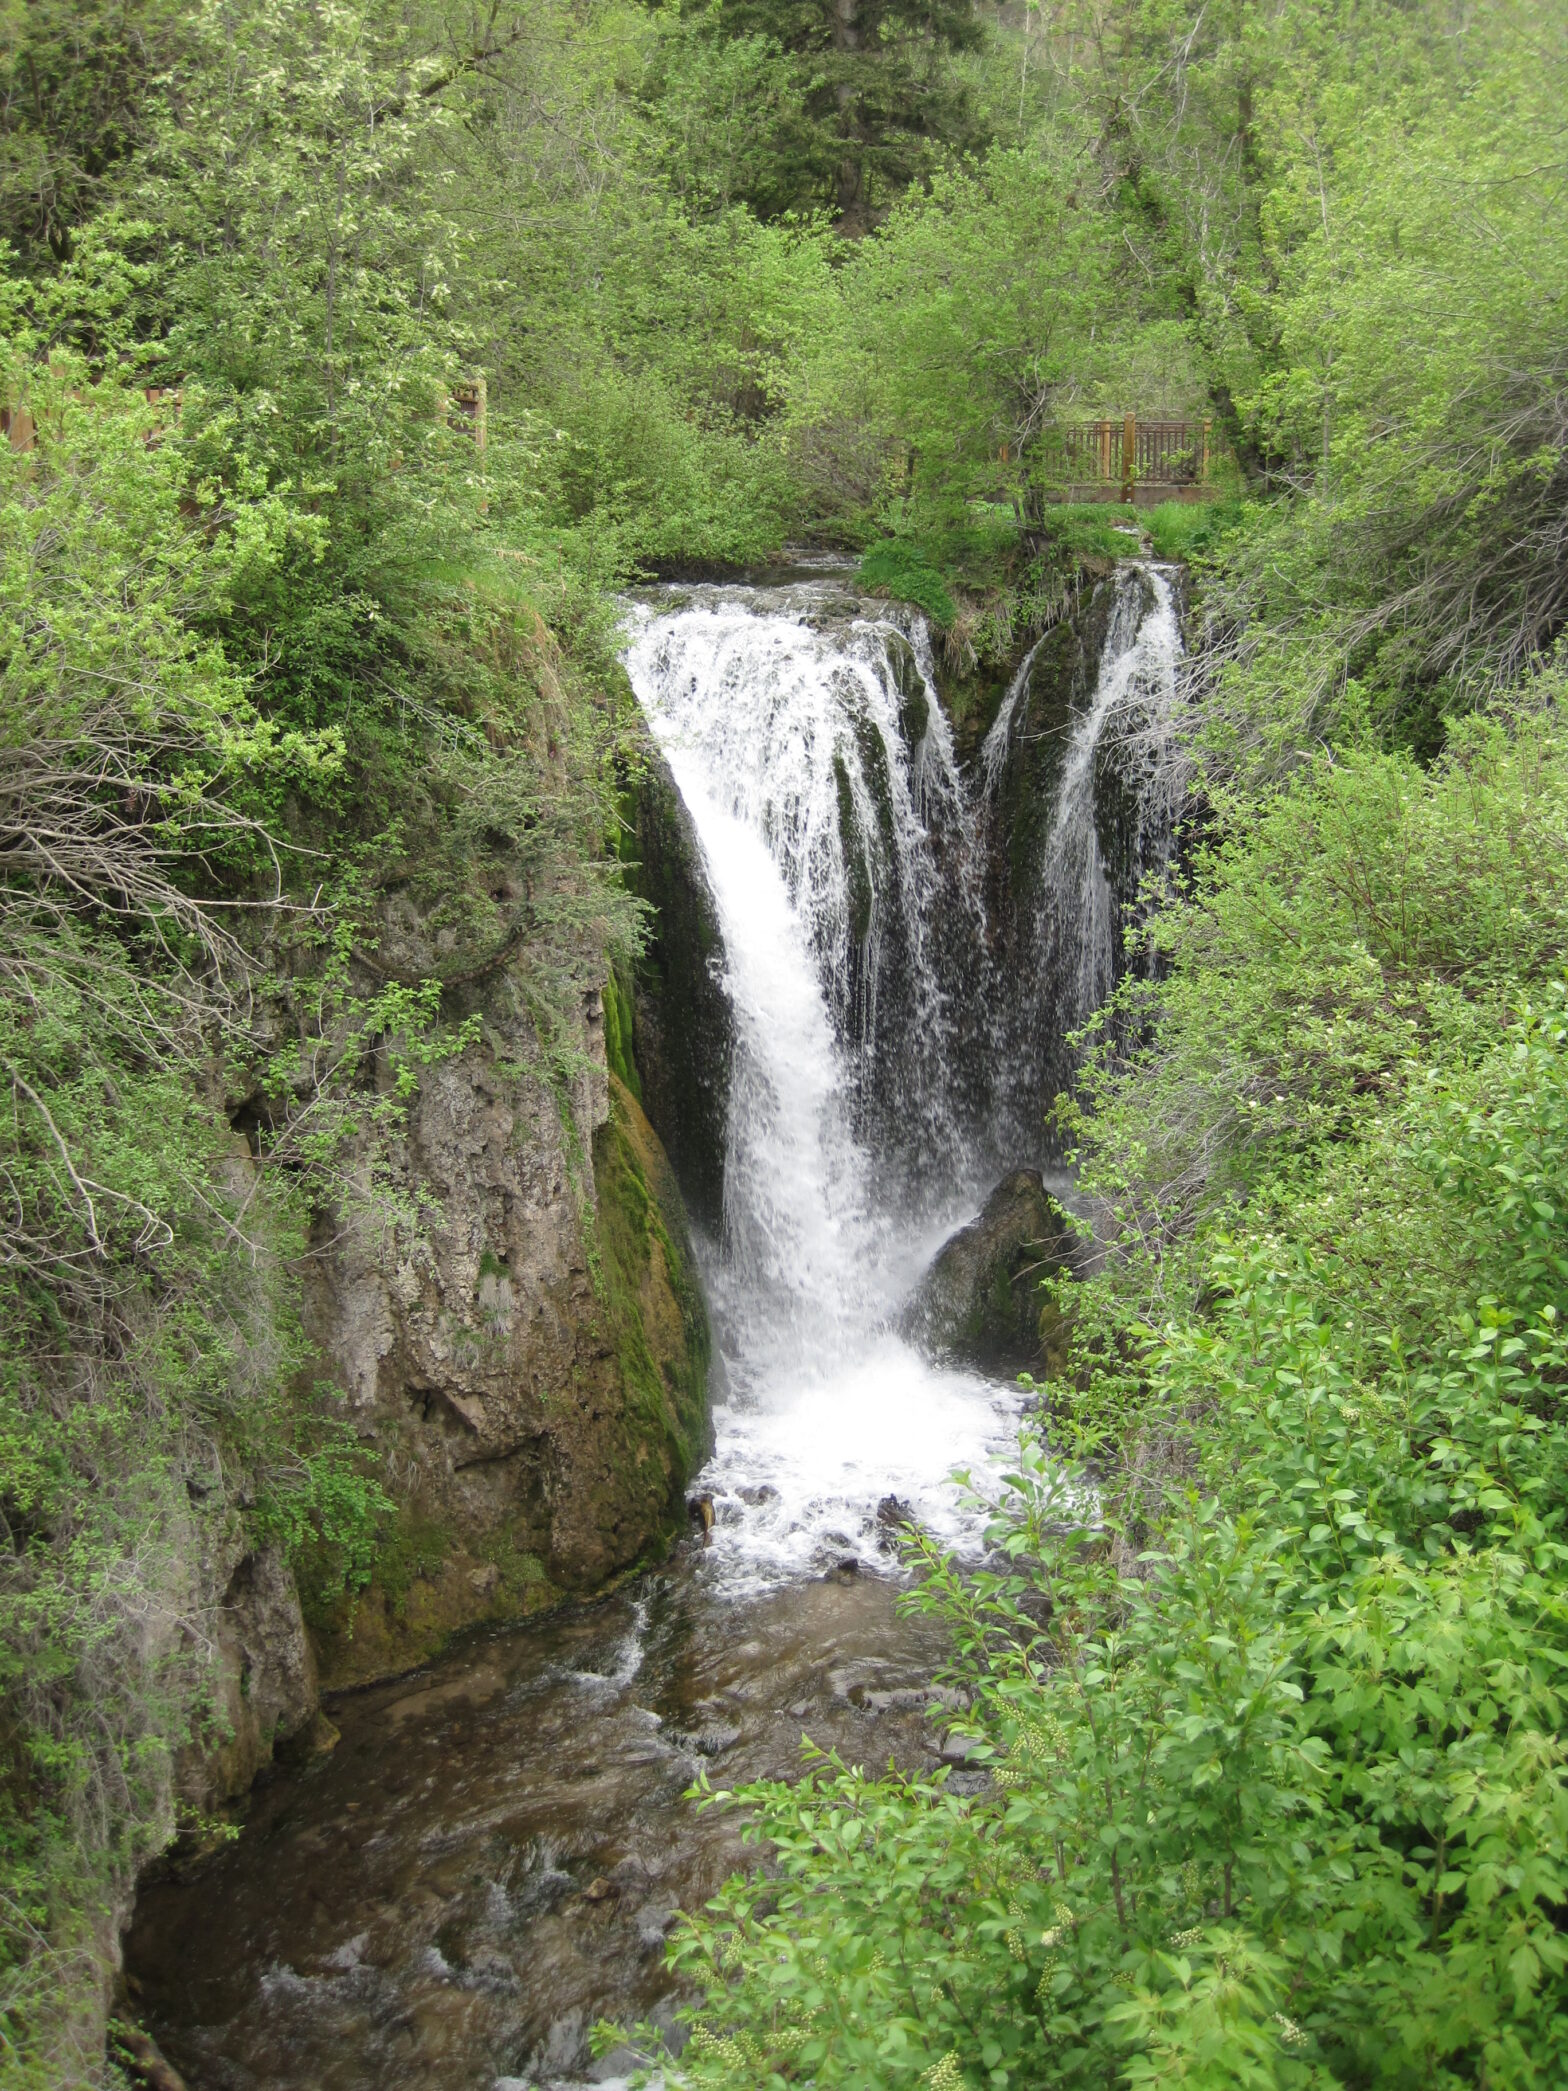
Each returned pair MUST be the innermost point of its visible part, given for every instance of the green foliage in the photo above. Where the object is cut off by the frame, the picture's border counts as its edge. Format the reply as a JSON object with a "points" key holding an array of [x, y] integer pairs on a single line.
{"points": [[77, 76], [284, 654], [900, 571], [1100, 529], [1187, 530], [1372, 921], [1276, 1732], [806, 104]]}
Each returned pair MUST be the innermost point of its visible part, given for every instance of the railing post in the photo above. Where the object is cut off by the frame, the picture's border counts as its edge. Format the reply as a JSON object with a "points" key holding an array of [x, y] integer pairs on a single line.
{"points": [[1129, 454], [1104, 432], [1205, 472]]}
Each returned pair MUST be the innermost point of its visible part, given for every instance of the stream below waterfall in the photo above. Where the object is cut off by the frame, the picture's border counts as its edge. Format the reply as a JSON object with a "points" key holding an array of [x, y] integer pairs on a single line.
{"points": [[492, 1857]]}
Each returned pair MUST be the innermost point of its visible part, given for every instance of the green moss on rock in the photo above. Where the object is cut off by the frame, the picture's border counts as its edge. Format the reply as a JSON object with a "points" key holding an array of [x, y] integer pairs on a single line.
{"points": [[657, 1321], [857, 869]]}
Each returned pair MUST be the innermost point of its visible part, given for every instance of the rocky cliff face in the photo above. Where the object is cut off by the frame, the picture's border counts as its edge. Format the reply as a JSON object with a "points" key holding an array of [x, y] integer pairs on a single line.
{"points": [[683, 1028], [505, 1293], [526, 1350]]}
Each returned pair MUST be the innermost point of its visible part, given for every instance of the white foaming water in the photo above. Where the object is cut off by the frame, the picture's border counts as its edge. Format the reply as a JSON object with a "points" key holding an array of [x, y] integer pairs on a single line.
{"points": [[994, 748], [817, 765], [783, 739]]}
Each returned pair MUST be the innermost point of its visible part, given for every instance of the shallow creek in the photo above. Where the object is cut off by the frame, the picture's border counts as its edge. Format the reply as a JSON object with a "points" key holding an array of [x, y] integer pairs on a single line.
{"points": [[492, 1856]]}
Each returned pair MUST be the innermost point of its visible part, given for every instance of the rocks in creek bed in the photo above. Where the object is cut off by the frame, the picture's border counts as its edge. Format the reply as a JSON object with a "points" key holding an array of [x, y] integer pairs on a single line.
{"points": [[710, 1740], [977, 1303], [653, 1922], [894, 1520]]}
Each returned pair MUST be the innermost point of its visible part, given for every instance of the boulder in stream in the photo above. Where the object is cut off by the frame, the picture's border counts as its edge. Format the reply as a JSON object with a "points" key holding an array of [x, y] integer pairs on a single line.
{"points": [[977, 1304]]}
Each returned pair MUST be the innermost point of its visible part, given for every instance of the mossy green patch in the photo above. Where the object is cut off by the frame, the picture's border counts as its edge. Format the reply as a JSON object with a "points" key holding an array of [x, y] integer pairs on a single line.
{"points": [[901, 570], [618, 1031], [657, 1321]]}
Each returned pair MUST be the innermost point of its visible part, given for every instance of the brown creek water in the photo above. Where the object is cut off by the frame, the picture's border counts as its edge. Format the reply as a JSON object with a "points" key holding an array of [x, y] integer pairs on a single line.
{"points": [[491, 1859]]}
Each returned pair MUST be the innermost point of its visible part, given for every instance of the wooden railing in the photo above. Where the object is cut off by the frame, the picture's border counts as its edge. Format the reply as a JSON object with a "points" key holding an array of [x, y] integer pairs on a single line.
{"points": [[1110, 459]]}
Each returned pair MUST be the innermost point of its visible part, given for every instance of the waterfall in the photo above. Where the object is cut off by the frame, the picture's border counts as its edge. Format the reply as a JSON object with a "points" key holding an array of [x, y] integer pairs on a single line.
{"points": [[1091, 738], [1078, 922], [844, 846]]}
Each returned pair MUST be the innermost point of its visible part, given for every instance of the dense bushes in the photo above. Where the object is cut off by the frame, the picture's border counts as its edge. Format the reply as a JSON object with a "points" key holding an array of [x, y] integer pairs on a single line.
{"points": [[265, 645], [1274, 1703]]}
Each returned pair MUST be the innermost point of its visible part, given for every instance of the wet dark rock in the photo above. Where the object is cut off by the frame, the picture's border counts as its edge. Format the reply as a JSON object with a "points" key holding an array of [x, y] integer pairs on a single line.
{"points": [[914, 706], [683, 1028], [967, 1784], [893, 1513], [977, 1303], [653, 1921], [862, 888], [910, 1698], [709, 1741], [1060, 684]]}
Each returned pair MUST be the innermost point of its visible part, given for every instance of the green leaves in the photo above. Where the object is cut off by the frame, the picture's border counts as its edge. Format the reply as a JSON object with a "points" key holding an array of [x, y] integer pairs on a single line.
{"points": [[1276, 1719]]}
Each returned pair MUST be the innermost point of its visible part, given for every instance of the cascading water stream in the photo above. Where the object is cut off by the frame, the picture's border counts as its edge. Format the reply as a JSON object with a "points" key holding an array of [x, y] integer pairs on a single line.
{"points": [[819, 788], [1079, 918], [1093, 755], [842, 843]]}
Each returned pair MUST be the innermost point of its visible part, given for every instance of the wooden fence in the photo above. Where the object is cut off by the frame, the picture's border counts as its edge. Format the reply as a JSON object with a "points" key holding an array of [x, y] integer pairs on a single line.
{"points": [[1111, 460]]}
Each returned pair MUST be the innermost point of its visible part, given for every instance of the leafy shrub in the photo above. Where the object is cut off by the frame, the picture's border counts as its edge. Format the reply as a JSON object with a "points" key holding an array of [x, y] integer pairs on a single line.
{"points": [[1281, 1792], [1182, 529], [898, 569], [1094, 528], [1362, 926]]}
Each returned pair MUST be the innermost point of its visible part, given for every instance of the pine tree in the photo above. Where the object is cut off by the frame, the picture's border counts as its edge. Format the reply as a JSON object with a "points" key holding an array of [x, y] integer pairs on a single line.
{"points": [[871, 95]]}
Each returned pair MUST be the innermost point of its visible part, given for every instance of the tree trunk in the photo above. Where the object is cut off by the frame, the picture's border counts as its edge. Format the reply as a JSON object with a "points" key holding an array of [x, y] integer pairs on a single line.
{"points": [[851, 183]]}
